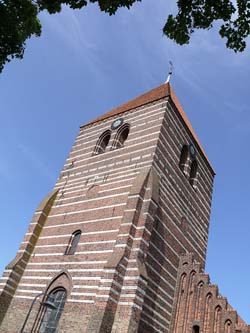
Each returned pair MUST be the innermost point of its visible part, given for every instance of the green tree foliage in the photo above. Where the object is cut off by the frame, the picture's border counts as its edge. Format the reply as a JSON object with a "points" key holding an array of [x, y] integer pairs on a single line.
{"points": [[19, 20], [200, 14]]}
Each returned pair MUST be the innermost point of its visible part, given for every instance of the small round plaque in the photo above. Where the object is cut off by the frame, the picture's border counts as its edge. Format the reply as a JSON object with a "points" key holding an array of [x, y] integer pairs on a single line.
{"points": [[192, 150], [117, 123]]}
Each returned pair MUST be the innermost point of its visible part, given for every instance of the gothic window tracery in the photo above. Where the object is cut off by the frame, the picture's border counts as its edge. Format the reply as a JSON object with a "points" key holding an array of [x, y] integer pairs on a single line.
{"points": [[102, 142], [51, 316], [121, 136]]}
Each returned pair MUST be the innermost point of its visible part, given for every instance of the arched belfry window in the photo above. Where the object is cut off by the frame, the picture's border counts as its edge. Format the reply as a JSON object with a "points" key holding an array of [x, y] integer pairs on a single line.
{"points": [[121, 136], [184, 159], [51, 316], [71, 249], [196, 329], [193, 173], [102, 142]]}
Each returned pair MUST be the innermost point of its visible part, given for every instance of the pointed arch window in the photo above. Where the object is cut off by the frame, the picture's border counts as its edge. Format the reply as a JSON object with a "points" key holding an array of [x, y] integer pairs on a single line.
{"points": [[199, 299], [207, 317], [102, 142], [193, 173], [217, 319], [184, 158], [74, 240], [51, 316], [121, 136]]}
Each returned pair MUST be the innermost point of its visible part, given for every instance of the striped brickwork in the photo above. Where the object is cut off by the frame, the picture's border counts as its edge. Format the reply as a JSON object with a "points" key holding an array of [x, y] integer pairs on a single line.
{"points": [[99, 215], [179, 202], [130, 204]]}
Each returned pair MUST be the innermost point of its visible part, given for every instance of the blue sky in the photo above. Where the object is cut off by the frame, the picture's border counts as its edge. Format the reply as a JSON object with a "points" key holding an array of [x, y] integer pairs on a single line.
{"points": [[85, 64]]}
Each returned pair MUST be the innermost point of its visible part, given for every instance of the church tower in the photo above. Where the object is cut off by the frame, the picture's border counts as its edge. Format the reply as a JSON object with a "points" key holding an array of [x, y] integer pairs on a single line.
{"points": [[104, 247]]}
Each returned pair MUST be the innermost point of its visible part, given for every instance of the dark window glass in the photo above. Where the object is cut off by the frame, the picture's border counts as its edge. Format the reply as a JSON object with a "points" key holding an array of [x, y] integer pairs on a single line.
{"points": [[71, 249], [196, 329], [102, 143], [121, 136], [51, 316], [193, 172], [183, 158]]}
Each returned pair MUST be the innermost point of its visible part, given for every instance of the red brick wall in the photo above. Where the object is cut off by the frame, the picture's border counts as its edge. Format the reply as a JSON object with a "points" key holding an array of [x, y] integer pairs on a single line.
{"points": [[198, 303], [99, 217], [129, 204]]}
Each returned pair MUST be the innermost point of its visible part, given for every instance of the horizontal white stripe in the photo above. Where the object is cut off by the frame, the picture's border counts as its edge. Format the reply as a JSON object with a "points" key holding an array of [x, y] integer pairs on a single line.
{"points": [[130, 303], [126, 152], [6, 292], [91, 200], [80, 301], [156, 313], [94, 178], [69, 263], [63, 253], [83, 294], [29, 291], [32, 285], [139, 120], [115, 171], [92, 143], [85, 233], [7, 285], [70, 270], [137, 117], [87, 210], [11, 271], [84, 222], [79, 244], [155, 329], [27, 297], [9, 279], [85, 287]]}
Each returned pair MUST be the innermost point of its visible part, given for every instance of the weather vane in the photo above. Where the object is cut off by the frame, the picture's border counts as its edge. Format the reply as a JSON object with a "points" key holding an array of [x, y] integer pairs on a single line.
{"points": [[170, 72]]}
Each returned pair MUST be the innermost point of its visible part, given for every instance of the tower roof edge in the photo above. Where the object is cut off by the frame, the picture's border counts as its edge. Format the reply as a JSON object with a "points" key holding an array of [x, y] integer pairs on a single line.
{"points": [[164, 90], [184, 117], [150, 96]]}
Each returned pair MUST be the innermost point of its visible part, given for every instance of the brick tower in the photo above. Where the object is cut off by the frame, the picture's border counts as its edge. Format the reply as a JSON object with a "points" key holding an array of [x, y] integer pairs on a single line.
{"points": [[105, 245]]}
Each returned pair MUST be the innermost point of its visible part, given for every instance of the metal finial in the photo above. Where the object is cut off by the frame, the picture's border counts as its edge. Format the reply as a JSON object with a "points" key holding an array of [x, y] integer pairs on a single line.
{"points": [[171, 68]]}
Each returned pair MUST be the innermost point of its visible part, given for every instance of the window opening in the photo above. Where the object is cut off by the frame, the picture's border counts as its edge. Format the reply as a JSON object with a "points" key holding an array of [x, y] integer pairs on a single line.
{"points": [[228, 325], [217, 319], [121, 137], [196, 329], [184, 158], [193, 173], [71, 249], [51, 316], [102, 143]]}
